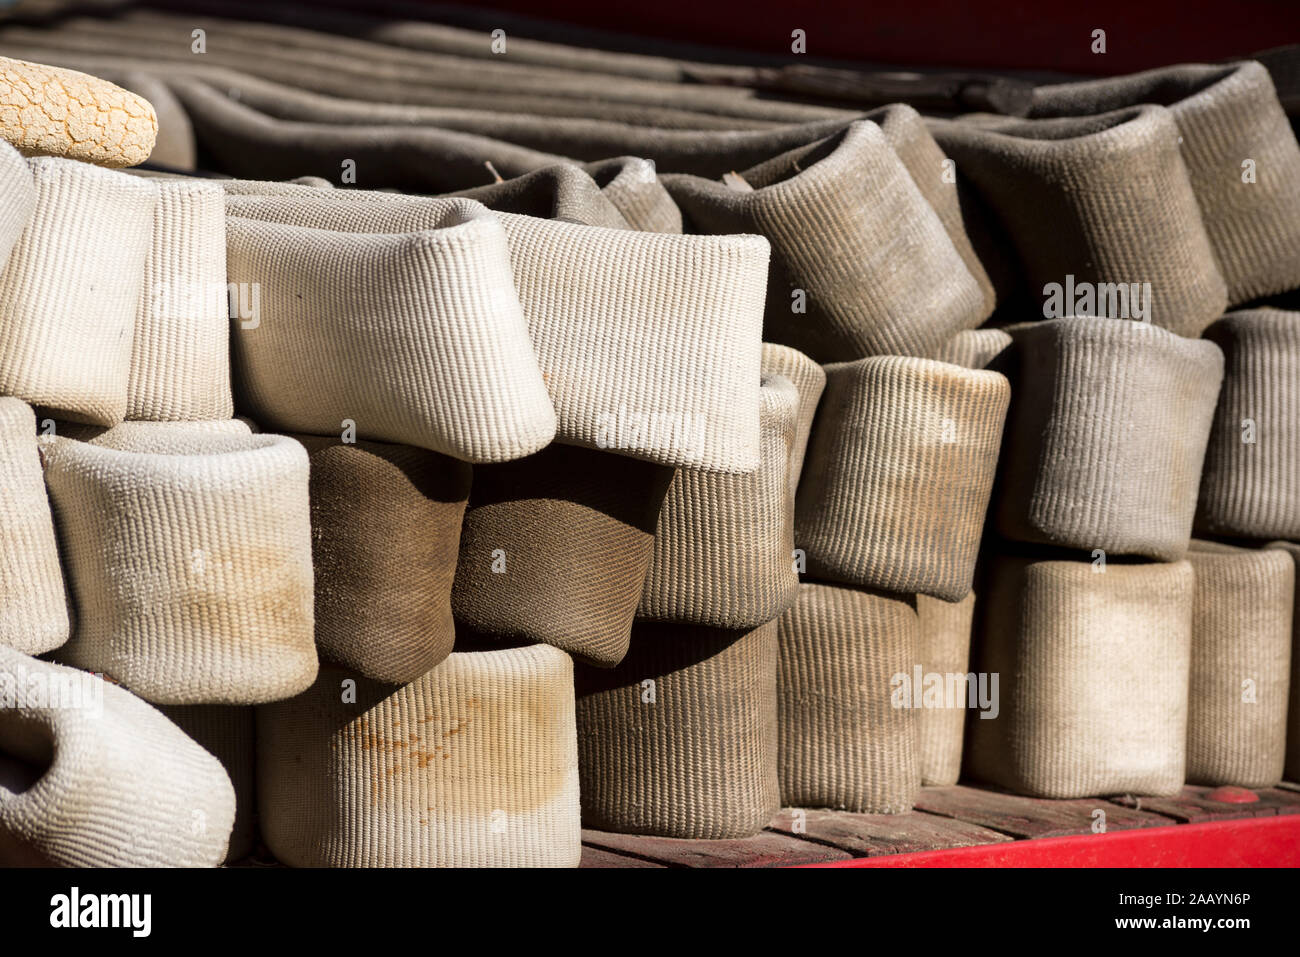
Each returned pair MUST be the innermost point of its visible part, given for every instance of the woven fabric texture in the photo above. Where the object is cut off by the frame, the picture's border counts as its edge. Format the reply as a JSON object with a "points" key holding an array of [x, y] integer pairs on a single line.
{"points": [[1093, 673], [661, 338], [906, 132], [564, 193], [71, 290], [650, 344], [1250, 486], [415, 337], [17, 198], [398, 80], [251, 143], [154, 435], [844, 219], [975, 348], [1106, 436], [556, 547], [423, 149], [680, 739], [632, 186], [1241, 157], [943, 648], [364, 70], [572, 363], [809, 380], [724, 544], [1291, 771], [1103, 199], [180, 353], [1241, 665], [188, 557], [899, 473], [100, 778], [385, 528], [714, 153], [846, 741], [376, 59], [474, 764], [33, 601], [227, 733], [446, 117]]}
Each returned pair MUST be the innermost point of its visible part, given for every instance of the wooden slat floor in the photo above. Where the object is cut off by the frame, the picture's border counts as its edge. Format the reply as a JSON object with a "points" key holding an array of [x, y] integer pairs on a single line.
{"points": [[948, 817]]}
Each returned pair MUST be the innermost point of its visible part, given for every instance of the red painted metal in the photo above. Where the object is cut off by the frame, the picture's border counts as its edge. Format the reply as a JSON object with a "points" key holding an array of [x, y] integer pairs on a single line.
{"points": [[1230, 794], [1250, 842], [956, 33]]}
